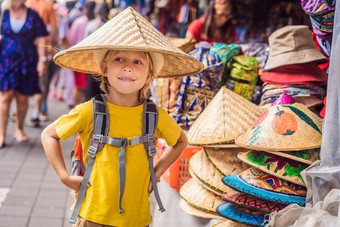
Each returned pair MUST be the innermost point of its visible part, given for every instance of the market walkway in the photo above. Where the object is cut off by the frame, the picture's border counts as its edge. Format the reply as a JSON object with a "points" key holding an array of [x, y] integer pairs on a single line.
{"points": [[31, 195]]}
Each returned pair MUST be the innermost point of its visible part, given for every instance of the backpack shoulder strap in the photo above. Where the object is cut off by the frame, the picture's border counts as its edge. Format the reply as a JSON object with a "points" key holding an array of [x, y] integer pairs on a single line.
{"points": [[101, 124], [150, 121]]}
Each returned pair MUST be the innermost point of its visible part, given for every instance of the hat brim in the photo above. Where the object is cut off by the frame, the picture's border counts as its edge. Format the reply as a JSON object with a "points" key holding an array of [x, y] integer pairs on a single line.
{"points": [[226, 210], [238, 183], [186, 207], [304, 156]]}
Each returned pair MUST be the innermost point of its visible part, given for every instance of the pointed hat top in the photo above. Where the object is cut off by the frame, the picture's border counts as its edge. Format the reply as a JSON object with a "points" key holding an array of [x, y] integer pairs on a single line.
{"points": [[128, 31], [227, 116]]}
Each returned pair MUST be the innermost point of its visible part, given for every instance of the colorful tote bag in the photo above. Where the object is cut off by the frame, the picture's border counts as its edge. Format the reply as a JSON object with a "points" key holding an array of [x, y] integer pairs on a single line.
{"points": [[243, 76], [198, 90]]}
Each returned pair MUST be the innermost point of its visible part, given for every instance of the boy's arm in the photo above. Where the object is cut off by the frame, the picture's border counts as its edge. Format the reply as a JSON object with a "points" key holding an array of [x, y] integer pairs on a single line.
{"points": [[51, 144], [170, 155]]}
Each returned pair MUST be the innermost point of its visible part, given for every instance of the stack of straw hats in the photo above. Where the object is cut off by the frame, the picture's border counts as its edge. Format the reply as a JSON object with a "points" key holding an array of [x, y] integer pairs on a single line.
{"points": [[284, 141], [227, 116]]}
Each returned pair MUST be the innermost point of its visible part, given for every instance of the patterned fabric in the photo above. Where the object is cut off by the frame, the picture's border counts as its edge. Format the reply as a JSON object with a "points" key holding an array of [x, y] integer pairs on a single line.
{"points": [[270, 92], [260, 51], [198, 90], [243, 76], [19, 57]]}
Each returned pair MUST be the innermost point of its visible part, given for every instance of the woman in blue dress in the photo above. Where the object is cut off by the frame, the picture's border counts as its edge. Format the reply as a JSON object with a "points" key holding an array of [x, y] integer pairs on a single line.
{"points": [[22, 61]]}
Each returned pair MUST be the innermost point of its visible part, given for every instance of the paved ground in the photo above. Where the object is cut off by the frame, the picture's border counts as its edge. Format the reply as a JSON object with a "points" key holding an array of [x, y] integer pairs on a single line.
{"points": [[31, 195]]}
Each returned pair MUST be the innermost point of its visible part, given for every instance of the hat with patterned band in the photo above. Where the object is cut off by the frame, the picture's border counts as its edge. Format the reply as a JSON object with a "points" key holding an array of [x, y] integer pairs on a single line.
{"points": [[268, 187], [207, 173], [226, 160], [284, 128], [229, 223], [226, 116], [304, 156], [196, 212], [128, 31], [278, 166], [244, 200], [197, 196], [242, 215]]}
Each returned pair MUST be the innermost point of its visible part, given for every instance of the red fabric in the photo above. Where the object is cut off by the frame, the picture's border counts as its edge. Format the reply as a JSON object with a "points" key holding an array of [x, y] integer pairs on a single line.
{"points": [[323, 111], [323, 66], [80, 80], [195, 28], [309, 74]]}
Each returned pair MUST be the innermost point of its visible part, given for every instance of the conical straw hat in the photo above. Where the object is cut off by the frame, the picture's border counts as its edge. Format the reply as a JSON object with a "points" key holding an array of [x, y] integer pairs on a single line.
{"points": [[128, 31], [193, 176], [230, 223], [278, 166], [284, 128], [304, 156], [207, 173], [226, 116], [244, 200], [265, 186], [196, 212], [197, 196], [226, 160]]}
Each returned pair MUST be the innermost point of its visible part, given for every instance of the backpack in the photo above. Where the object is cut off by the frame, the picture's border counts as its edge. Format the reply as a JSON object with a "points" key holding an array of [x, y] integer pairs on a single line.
{"points": [[99, 138]]}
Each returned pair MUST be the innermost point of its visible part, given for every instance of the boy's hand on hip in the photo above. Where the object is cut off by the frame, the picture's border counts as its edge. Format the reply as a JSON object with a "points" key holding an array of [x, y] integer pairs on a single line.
{"points": [[150, 188]]}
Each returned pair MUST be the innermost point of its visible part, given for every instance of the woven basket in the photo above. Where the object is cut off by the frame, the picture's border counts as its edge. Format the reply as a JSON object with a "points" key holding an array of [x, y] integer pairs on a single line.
{"points": [[127, 31], [207, 173], [284, 128], [226, 160], [226, 116], [197, 196]]}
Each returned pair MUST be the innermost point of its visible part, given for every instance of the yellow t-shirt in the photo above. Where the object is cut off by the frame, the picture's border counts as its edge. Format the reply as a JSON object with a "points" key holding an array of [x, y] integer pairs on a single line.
{"points": [[100, 204]]}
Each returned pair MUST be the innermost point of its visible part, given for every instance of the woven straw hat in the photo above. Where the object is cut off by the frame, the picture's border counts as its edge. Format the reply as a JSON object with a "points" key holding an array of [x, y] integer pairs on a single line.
{"points": [[242, 214], [207, 173], [292, 45], [128, 31], [278, 166], [226, 116], [284, 128], [266, 186], [226, 161], [186, 207], [244, 200], [193, 176], [197, 196], [229, 223], [304, 156]]}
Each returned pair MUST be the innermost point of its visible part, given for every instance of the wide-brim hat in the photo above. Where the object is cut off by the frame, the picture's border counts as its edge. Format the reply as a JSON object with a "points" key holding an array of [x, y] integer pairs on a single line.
{"points": [[226, 116], [308, 73], [304, 156], [242, 215], [205, 171], [186, 207], [229, 223], [292, 45], [226, 160], [268, 187], [284, 128], [278, 166], [128, 31], [203, 183], [197, 196], [244, 200]]}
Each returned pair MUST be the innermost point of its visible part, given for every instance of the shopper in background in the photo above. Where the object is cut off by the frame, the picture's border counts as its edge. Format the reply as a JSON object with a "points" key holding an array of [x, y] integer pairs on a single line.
{"points": [[76, 34], [21, 62], [215, 25], [46, 12]]}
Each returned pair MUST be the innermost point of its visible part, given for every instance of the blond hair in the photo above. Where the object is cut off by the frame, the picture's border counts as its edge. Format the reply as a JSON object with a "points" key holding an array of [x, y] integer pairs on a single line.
{"points": [[143, 92]]}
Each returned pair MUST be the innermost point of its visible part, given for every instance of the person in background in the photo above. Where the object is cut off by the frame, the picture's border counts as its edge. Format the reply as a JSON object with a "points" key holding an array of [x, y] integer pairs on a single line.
{"points": [[101, 12], [21, 62], [46, 12], [76, 34], [216, 25]]}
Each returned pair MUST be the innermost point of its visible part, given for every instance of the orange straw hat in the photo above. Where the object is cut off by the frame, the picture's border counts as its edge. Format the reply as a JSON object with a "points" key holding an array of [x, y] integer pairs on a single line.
{"points": [[226, 116], [128, 31], [284, 128], [197, 196]]}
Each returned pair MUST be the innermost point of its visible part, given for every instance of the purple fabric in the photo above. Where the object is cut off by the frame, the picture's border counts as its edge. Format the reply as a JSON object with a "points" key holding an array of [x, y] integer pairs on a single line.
{"points": [[19, 57]]}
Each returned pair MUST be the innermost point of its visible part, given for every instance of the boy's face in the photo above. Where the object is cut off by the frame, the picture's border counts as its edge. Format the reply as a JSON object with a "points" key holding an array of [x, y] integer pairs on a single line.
{"points": [[126, 71]]}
